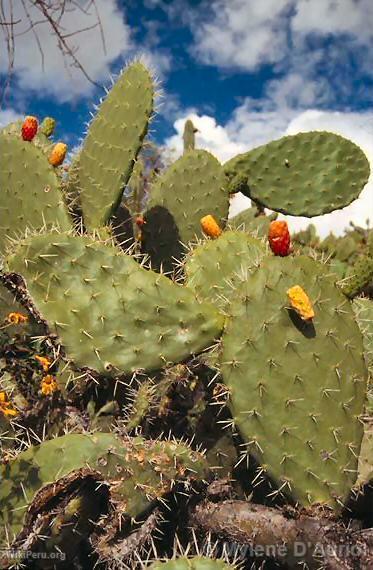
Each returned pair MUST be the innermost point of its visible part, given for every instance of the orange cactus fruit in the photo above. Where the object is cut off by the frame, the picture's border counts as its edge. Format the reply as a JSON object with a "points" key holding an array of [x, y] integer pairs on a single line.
{"points": [[44, 361], [210, 226], [279, 238], [48, 385], [300, 302], [16, 318], [57, 156], [29, 128]]}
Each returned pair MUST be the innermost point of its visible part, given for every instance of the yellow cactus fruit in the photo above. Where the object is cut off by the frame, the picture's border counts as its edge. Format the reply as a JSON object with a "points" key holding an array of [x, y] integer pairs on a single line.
{"points": [[210, 226], [57, 156], [300, 302], [48, 385], [16, 318]]}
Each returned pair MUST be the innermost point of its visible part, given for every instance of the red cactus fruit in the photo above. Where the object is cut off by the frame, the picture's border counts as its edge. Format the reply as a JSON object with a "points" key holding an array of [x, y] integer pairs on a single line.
{"points": [[279, 238], [29, 128]]}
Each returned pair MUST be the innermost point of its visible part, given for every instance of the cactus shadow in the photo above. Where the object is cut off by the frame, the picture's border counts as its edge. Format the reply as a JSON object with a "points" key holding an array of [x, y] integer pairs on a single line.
{"points": [[306, 328], [161, 239]]}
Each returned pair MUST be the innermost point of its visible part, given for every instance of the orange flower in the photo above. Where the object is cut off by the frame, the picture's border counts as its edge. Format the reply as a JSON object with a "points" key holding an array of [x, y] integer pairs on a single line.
{"points": [[48, 385], [16, 318], [301, 303], [6, 407], [44, 361], [210, 226]]}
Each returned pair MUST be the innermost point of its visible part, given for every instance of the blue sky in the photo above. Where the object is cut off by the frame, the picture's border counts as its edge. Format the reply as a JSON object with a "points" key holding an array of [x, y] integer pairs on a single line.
{"points": [[246, 71]]}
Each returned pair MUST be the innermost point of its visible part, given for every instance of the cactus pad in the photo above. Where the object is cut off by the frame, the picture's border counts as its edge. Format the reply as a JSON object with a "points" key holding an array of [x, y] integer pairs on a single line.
{"points": [[113, 141], [30, 195], [297, 389], [138, 472], [214, 267], [193, 187], [110, 313], [195, 563], [307, 174]]}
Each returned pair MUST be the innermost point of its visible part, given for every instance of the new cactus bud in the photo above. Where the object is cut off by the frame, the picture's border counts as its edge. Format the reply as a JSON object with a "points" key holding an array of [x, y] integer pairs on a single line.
{"points": [[48, 385], [279, 238], [140, 221], [47, 127], [29, 128], [210, 226], [300, 302], [57, 156]]}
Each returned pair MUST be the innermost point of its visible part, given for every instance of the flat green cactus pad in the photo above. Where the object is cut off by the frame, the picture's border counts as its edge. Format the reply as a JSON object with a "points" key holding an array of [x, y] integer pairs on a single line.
{"points": [[307, 174], [113, 141], [111, 314], [29, 191], [138, 472], [248, 221], [297, 388], [193, 187], [214, 267]]}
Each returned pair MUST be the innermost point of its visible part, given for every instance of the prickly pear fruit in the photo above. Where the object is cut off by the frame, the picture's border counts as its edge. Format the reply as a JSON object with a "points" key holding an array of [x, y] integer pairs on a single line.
{"points": [[279, 238], [47, 127], [29, 128], [57, 156], [300, 302], [210, 226]]}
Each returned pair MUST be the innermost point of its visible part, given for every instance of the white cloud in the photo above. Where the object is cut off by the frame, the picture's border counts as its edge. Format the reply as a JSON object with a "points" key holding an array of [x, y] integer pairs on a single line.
{"points": [[241, 33], [57, 76], [8, 116]]}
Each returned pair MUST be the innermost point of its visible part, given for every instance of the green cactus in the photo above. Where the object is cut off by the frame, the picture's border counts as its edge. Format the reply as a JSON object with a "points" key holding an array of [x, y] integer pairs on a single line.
{"points": [[249, 221], [189, 139], [113, 141], [307, 174], [214, 267], [30, 195], [138, 473], [142, 321], [365, 469], [191, 188], [358, 276], [297, 388], [363, 309], [195, 563]]}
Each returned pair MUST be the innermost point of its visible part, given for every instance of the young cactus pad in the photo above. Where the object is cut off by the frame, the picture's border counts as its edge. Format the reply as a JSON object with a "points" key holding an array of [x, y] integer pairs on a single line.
{"points": [[213, 268], [307, 174], [138, 472], [110, 313], [29, 190], [113, 141], [297, 389]]}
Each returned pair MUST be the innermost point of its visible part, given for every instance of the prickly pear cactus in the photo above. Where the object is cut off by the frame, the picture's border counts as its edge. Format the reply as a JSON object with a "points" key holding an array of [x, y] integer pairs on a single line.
{"points": [[114, 139], [111, 314], [214, 267], [193, 187], [252, 222], [137, 473], [307, 174], [297, 388], [30, 195]]}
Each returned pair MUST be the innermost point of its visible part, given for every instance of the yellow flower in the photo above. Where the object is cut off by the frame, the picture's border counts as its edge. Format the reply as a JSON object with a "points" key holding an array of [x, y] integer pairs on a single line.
{"points": [[48, 385], [44, 361], [16, 318], [300, 302], [6, 407]]}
